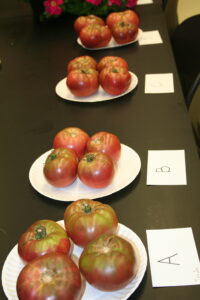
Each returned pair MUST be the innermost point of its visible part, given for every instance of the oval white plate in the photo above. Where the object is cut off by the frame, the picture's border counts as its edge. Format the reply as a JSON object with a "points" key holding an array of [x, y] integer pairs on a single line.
{"points": [[13, 265], [112, 43], [127, 169], [63, 92]]}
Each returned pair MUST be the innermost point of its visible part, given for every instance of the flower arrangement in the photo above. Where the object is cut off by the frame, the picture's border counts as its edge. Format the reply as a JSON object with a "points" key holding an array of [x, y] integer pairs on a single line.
{"points": [[55, 8]]}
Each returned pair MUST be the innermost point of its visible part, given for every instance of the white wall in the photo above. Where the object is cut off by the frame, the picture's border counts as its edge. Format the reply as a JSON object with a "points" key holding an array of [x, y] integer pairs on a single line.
{"points": [[187, 8]]}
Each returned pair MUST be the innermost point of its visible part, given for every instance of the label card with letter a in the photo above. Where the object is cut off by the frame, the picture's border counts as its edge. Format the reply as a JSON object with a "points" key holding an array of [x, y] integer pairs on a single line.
{"points": [[173, 257]]}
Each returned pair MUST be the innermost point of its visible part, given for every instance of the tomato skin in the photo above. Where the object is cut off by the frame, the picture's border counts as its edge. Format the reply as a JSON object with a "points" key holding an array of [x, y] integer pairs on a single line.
{"points": [[72, 138], [128, 16], [60, 168], [111, 61], [81, 62], [42, 237], [86, 219], [105, 142], [51, 276], [109, 262], [115, 80], [83, 21], [83, 82], [95, 36], [124, 32], [96, 169]]}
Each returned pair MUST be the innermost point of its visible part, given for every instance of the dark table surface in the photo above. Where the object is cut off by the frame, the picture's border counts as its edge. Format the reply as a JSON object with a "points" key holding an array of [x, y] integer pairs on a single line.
{"points": [[34, 58]]}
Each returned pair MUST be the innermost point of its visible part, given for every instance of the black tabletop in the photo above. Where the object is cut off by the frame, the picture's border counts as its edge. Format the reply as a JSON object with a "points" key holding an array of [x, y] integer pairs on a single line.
{"points": [[34, 58]]}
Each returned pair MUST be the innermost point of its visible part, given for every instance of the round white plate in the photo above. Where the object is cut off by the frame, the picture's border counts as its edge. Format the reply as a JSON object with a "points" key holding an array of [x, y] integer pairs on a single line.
{"points": [[13, 265], [112, 43], [63, 92], [127, 169]]}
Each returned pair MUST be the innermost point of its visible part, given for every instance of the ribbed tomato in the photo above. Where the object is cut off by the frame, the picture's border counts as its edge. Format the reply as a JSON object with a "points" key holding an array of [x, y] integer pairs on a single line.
{"points": [[128, 16], [111, 61], [81, 62], [124, 32], [83, 21], [95, 36]]}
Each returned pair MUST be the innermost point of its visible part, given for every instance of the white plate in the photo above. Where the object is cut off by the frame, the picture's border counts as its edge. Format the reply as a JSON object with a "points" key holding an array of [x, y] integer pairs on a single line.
{"points": [[13, 265], [112, 43], [127, 169], [63, 92]]}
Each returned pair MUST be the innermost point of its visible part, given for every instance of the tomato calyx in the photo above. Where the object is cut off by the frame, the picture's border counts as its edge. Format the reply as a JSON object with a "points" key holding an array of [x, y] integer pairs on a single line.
{"points": [[89, 157], [87, 208], [52, 156], [40, 232]]}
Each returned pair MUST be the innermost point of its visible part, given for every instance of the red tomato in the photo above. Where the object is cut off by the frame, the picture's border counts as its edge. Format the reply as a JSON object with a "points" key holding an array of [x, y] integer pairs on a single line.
{"points": [[109, 262], [115, 80], [72, 138], [86, 219], [113, 18], [124, 32], [42, 237], [60, 168], [128, 16], [83, 82], [83, 21], [81, 62], [96, 169], [95, 36], [111, 61], [105, 142], [51, 276]]}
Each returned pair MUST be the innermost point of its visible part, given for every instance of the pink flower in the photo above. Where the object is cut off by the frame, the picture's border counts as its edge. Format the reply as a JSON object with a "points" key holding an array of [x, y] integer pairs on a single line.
{"points": [[52, 7], [116, 2], [95, 2], [131, 3]]}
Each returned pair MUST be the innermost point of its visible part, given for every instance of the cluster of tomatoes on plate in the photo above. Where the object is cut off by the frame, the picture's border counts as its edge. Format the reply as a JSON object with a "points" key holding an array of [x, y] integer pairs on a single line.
{"points": [[106, 260], [93, 159], [94, 32], [85, 75]]}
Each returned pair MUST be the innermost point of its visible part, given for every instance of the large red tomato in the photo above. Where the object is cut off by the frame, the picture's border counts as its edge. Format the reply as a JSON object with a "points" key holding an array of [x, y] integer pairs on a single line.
{"points": [[111, 61], [96, 169], [95, 36], [72, 138], [83, 21], [109, 262], [42, 237], [86, 219], [124, 32], [128, 16], [83, 82], [52, 276], [105, 142], [81, 62], [115, 80], [60, 168]]}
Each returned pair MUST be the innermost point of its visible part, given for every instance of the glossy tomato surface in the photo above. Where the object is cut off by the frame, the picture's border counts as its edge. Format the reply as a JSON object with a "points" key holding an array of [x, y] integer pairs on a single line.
{"points": [[53, 276], [105, 142], [95, 36], [83, 21], [96, 169], [81, 62], [83, 82], [109, 262], [124, 32], [60, 168], [42, 237], [72, 138], [86, 219], [128, 16], [111, 61], [115, 80]]}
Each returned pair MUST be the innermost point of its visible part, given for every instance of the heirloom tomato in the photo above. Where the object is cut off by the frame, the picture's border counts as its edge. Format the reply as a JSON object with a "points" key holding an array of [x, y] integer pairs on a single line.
{"points": [[111, 61], [83, 82], [86, 219], [96, 169], [128, 16], [124, 32], [72, 138], [60, 168], [42, 237], [105, 142], [81, 62], [83, 21], [95, 36], [52, 276], [109, 262], [115, 80]]}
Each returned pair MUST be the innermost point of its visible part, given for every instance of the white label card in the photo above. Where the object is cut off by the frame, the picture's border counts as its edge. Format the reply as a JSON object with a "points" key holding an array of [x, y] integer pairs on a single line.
{"points": [[141, 2], [159, 83], [173, 257], [150, 37], [166, 167]]}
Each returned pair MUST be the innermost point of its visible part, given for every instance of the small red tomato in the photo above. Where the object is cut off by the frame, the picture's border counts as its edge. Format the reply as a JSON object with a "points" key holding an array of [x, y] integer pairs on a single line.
{"points": [[60, 168], [111, 61], [105, 142], [42, 237], [82, 62], [96, 169], [52, 276], [83, 21], [95, 36], [83, 82], [124, 32], [72, 138], [115, 80]]}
